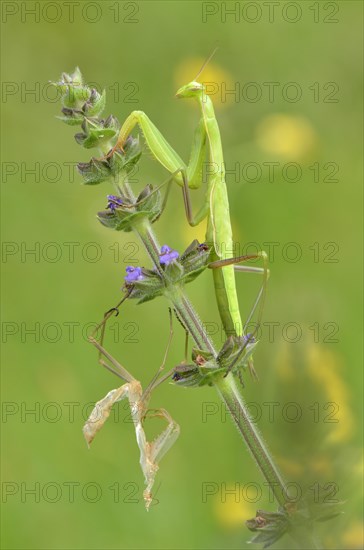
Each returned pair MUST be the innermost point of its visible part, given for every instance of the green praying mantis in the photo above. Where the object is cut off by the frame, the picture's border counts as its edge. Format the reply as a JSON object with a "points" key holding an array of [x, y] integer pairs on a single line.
{"points": [[207, 141]]}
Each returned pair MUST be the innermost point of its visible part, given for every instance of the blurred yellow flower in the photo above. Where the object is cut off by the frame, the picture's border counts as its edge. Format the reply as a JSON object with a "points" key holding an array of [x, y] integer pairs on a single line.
{"points": [[219, 79], [353, 538], [230, 508], [323, 366], [321, 465], [284, 364], [291, 468], [291, 137]]}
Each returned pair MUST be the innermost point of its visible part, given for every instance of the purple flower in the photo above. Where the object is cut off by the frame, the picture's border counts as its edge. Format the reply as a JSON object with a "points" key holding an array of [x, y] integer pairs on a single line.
{"points": [[167, 255], [113, 202], [249, 338], [133, 274]]}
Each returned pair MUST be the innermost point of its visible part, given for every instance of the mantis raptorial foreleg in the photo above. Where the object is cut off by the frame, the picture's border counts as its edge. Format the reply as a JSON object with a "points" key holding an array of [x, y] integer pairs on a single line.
{"points": [[162, 150], [150, 452]]}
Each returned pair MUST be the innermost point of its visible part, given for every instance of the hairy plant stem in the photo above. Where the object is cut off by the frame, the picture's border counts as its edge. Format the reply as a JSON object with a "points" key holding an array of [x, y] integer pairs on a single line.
{"points": [[226, 387], [233, 399]]}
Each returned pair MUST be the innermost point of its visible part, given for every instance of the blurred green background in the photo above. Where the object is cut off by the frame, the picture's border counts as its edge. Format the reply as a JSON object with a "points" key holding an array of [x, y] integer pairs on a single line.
{"points": [[297, 76]]}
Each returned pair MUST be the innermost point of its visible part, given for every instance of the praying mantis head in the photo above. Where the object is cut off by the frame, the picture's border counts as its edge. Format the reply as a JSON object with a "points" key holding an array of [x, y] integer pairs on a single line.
{"points": [[195, 89], [192, 89]]}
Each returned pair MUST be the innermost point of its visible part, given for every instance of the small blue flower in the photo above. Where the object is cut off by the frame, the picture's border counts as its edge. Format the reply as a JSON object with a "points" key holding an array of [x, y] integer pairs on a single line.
{"points": [[113, 202], [133, 274], [167, 255], [249, 338]]}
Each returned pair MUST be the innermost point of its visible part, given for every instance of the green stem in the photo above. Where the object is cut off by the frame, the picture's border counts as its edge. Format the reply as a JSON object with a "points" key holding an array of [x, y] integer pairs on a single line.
{"points": [[234, 401]]}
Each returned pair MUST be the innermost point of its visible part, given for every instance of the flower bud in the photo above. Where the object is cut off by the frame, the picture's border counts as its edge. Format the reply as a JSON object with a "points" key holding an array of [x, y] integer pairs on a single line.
{"points": [[195, 259], [95, 104]]}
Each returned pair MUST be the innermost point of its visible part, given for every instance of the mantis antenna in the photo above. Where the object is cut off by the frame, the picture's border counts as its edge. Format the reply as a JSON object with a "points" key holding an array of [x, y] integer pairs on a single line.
{"points": [[206, 62]]}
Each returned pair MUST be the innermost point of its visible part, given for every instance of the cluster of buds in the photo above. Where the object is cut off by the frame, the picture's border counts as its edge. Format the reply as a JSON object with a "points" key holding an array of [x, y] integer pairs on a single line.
{"points": [[83, 106], [237, 351], [268, 526], [114, 167], [79, 101], [296, 517]]}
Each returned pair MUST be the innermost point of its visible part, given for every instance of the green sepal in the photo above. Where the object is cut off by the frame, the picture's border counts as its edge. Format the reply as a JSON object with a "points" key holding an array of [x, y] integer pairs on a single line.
{"points": [[296, 518], [125, 215], [94, 172], [150, 203], [99, 170], [195, 260], [269, 526], [97, 132], [72, 117], [74, 96], [95, 137], [132, 153], [147, 288], [206, 368], [95, 104], [187, 376], [72, 90], [201, 373], [174, 271], [192, 376], [75, 78], [232, 348], [206, 355], [119, 219]]}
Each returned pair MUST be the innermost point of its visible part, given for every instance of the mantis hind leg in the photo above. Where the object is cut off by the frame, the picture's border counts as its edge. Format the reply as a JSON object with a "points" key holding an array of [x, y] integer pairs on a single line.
{"points": [[156, 380], [259, 301], [113, 366]]}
